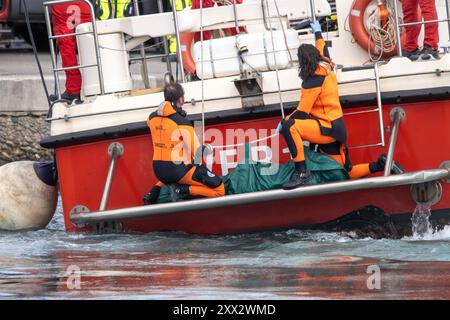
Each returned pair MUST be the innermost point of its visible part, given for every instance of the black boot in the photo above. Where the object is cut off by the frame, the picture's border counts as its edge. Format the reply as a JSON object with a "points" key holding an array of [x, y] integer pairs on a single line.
{"points": [[66, 96], [379, 165], [428, 52], [152, 196], [298, 179], [411, 55], [396, 167], [178, 192]]}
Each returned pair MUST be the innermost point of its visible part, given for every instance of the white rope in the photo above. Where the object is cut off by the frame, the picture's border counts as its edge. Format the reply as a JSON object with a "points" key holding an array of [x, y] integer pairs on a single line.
{"points": [[275, 61], [383, 39], [203, 75], [284, 33], [244, 143], [279, 94]]}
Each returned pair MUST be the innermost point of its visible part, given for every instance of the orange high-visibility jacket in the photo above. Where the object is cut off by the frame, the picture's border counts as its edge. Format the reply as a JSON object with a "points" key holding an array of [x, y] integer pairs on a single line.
{"points": [[173, 135]]}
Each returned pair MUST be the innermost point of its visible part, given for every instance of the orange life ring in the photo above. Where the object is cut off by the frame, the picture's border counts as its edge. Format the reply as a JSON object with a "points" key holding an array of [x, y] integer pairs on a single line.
{"points": [[187, 40], [358, 28]]}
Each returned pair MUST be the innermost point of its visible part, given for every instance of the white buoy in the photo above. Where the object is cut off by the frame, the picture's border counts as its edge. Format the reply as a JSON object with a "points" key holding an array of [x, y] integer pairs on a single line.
{"points": [[26, 202]]}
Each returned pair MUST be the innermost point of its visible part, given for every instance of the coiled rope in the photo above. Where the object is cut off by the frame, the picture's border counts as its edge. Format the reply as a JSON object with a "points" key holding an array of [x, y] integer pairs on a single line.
{"points": [[384, 39]]}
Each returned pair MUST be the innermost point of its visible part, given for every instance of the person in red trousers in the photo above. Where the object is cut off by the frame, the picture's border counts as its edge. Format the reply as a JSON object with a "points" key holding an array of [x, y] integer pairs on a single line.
{"points": [[431, 42], [207, 35], [65, 18]]}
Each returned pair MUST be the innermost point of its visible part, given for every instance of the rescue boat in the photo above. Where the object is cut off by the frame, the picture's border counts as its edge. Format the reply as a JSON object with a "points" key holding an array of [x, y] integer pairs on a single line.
{"points": [[244, 84]]}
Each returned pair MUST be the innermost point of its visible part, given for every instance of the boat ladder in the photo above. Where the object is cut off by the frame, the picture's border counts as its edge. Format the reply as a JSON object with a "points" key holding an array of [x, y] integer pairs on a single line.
{"points": [[378, 108]]}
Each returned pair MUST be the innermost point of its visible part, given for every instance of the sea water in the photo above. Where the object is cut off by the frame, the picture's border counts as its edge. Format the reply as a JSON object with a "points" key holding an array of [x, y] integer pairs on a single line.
{"points": [[292, 264]]}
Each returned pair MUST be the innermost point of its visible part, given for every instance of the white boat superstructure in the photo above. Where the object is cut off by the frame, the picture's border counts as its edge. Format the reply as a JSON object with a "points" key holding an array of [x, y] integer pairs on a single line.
{"points": [[122, 105]]}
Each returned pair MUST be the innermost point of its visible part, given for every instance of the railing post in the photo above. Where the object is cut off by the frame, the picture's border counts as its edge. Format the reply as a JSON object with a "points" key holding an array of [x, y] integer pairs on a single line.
{"points": [[397, 116], [313, 10], [447, 7], [397, 30], [166, 46], [379, 102], [115, 150], [94, 32], [142, 51], [97, 48], [52, 50], [177, 35]]}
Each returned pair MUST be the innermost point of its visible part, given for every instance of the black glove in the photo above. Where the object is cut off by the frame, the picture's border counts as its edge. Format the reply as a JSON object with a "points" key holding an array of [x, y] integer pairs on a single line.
{"points": [[152, 196]]}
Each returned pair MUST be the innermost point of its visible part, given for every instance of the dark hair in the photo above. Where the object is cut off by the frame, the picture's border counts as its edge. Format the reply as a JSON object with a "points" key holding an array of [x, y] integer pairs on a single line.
{"points": [[308, 59], [173, 92]]}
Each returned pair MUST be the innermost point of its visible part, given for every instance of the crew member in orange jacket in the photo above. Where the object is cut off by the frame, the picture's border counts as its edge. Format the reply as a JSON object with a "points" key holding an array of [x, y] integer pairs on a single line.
{"points": [[319, 117], [177, 153], [65, 18]]}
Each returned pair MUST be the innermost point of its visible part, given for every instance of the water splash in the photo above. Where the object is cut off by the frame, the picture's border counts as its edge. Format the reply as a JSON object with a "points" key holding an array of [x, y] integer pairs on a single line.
{"points": [[421, 225], [422, 228]]}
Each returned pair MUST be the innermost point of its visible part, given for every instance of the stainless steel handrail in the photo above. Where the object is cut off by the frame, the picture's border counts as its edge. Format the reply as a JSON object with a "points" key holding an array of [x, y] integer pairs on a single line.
{"points": [[193, 101], [154, 56], [115, 150], [422, 22], [261, 196], [398, 25], [313, 10], [177, 35], [397, 118], [166, 46], [142, 51], [52, 37], [379, 102]]}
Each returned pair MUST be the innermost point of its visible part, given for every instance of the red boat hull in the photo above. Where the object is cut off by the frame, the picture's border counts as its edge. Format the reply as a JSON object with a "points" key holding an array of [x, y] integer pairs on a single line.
{"points": [[422, 143]]}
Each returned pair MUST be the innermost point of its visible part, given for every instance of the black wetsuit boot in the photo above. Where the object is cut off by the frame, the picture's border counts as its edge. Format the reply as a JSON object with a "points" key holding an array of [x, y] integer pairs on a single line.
{"points": [[300, 177], [379, 165], [179, 192]]}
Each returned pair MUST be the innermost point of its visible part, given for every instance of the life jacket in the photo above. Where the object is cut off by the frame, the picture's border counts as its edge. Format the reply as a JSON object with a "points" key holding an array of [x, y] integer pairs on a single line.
{"points": [[114, 9], [173, 135], [124, 8], [182, 4]]}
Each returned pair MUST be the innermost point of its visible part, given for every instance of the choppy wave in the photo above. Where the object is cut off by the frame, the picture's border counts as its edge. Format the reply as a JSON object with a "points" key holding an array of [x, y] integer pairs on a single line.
{"points": [[175, 265]]}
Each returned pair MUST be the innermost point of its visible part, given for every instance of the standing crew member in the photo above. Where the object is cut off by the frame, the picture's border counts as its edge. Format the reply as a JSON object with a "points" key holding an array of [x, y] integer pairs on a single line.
{"points": [[115, 9], [319, 117], [65, 18], [179, 6], [208, 35], [175, 146], [431, 41]]}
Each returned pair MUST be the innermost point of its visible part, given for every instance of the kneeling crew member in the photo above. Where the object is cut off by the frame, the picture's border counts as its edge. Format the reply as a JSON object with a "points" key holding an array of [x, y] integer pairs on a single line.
{"points": [[175, 149], [319, 117]]}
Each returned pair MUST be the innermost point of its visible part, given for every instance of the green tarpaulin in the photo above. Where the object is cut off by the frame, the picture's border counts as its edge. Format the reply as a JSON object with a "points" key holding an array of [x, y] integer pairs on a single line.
{"points": [[250, 176]]}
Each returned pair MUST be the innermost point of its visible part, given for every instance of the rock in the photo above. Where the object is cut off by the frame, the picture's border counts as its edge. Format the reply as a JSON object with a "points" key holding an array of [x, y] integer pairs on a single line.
{"points": [[26, 202], [21, 133]]}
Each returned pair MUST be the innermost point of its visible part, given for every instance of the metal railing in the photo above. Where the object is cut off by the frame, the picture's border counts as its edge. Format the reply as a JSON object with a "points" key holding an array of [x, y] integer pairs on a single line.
{"points": [[398, 25], [142, 52], [115, 150], [378, 109], [165, 44], [166, 54], [397, 116], [194, 101], [82, 218], [52, 37]]}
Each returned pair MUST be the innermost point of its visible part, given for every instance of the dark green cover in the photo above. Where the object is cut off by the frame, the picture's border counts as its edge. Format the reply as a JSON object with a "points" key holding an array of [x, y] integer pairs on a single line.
{"points": [[256, 176]]}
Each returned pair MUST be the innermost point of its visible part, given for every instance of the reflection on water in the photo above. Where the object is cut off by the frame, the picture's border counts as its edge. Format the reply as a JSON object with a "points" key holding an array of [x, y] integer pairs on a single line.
{"points": [[292, 264]]}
